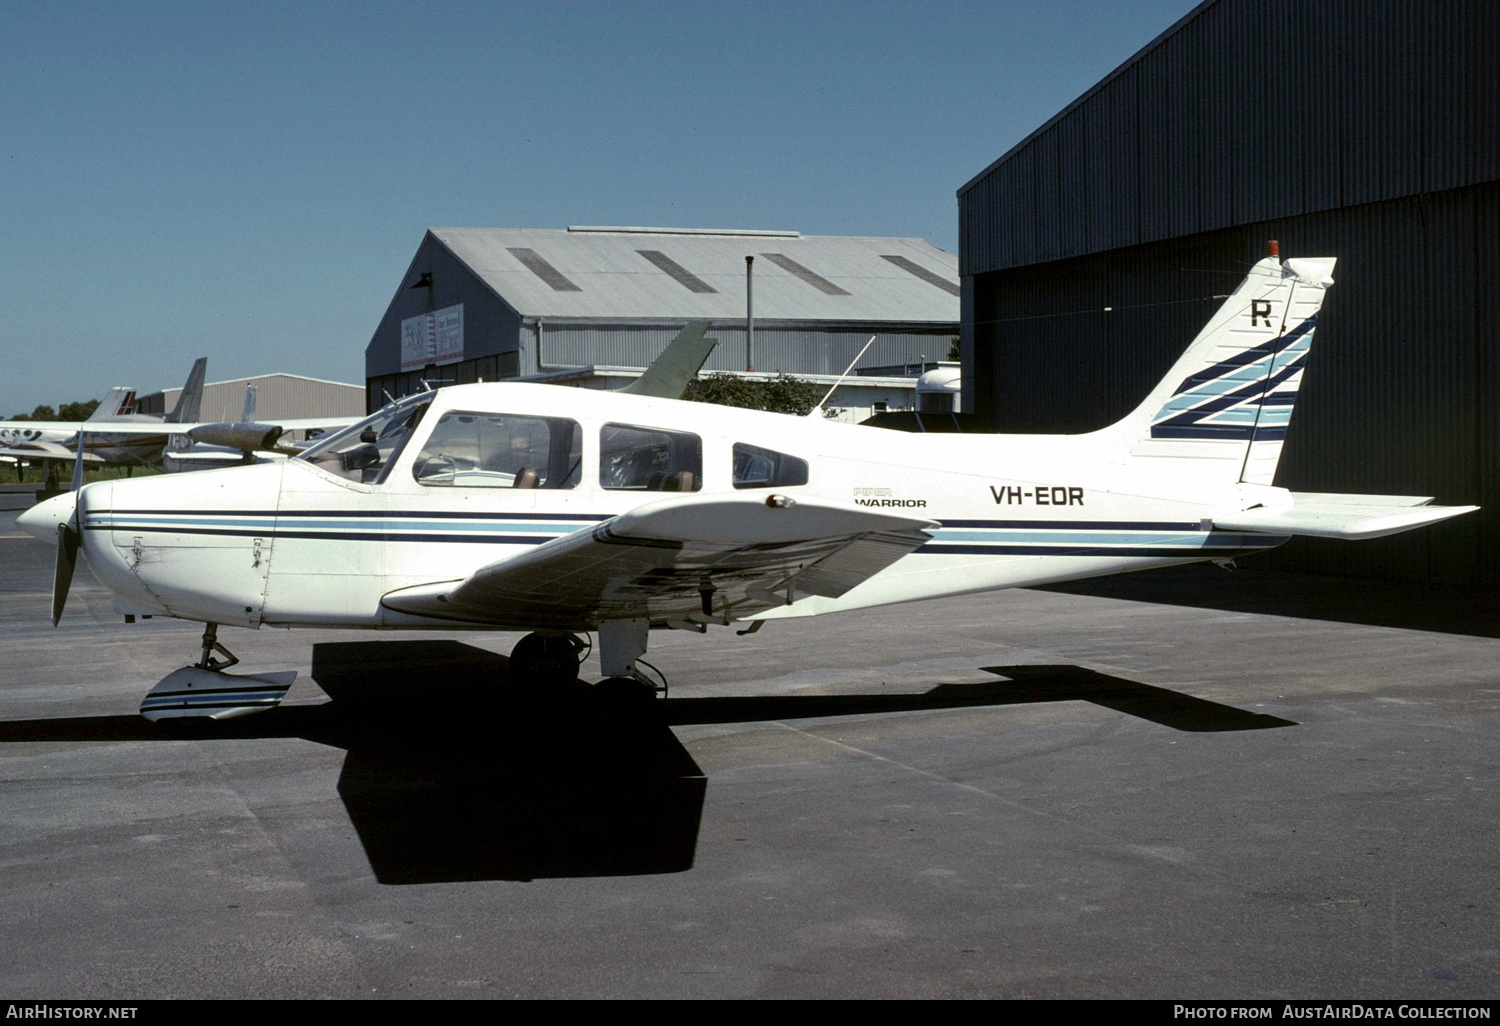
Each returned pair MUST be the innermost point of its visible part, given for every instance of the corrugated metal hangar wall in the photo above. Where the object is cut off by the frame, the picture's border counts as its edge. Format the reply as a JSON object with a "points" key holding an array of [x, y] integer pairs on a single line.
{"points": [[1368, 130]]}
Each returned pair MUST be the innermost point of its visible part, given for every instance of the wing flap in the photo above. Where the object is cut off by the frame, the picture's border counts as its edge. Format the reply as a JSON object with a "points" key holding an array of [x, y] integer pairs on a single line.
{"points": [[724, 558], [1352, 517]]}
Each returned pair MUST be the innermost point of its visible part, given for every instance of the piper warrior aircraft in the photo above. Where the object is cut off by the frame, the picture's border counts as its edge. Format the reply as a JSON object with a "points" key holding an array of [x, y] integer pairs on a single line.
{"points": [[560, 512]]}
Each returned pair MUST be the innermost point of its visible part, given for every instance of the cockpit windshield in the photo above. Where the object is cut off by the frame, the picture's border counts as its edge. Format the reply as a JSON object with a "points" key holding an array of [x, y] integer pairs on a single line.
{"points": [[365, 451]]}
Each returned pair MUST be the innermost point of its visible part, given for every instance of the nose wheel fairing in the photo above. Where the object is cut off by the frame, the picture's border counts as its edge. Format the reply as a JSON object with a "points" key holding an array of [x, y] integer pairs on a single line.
{"points": [[205, 691], [195, 692]]}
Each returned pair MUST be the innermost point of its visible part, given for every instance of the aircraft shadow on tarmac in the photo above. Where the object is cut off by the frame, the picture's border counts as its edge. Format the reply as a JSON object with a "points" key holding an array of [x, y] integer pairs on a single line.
{"points": [[452, 776], [1449, 610]]}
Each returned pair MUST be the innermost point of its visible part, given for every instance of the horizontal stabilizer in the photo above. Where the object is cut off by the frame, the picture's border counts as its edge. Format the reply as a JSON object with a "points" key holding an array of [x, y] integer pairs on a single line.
{"points": [[1353, 517]]}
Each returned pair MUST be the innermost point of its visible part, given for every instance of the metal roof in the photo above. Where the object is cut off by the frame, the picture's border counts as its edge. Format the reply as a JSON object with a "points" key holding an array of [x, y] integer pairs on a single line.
{"points": [[617, 273]]}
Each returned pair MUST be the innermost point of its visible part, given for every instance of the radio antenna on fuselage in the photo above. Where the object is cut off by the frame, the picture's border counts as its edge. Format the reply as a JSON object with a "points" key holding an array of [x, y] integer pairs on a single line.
{"points": [[819, 408]]}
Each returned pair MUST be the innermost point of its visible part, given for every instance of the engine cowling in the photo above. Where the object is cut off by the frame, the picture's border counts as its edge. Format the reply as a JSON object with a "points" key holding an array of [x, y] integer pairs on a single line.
{"points": [[246, 437]]}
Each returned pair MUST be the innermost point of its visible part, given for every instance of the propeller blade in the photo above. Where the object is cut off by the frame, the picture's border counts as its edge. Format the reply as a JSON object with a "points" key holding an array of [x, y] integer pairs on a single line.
{"points": [[78, 466], [62, 571]]}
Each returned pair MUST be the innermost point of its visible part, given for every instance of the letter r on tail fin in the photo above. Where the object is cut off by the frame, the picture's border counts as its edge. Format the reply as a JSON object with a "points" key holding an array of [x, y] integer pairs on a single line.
{"points": [[1229, 399]]}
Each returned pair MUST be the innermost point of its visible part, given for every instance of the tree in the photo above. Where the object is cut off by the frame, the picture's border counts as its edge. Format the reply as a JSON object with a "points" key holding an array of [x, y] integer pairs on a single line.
{"points": [[783, 394], [82, 410], [78, 411]]}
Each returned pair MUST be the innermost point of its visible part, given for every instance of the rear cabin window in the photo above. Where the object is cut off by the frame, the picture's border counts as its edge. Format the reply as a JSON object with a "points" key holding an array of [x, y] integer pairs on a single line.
{"points": [[647, 459], [755, 467], [498, 450]]}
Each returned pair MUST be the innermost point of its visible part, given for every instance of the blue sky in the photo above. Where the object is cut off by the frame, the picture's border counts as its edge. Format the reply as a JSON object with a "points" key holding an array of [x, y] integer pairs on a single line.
{"points": [[249, 181]]}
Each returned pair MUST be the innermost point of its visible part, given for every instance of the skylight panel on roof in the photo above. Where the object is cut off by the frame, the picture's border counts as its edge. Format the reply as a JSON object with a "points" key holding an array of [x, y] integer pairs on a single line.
{"points": [[812, 277], [537, 265], [687, 279], [911, 267]]}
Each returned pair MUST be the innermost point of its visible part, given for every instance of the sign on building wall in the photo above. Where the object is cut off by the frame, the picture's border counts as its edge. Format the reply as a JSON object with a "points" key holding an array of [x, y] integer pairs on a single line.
{"points": [[436, 337]]}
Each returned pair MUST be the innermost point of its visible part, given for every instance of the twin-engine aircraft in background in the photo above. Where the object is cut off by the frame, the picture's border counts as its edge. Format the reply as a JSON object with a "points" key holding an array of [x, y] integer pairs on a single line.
{"points": [[115, 434], [560, 512]]}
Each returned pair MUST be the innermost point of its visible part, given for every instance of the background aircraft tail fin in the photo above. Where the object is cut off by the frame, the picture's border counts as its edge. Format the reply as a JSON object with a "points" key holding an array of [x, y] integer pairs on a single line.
{"points": [[1229, 398], [119, 402], [247, 412], [678, 364], [191, 399]]}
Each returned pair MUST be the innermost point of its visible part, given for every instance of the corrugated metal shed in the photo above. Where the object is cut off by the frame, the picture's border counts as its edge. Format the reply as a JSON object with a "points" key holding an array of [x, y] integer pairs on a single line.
{"points": [[618, 274], [277, 397]]}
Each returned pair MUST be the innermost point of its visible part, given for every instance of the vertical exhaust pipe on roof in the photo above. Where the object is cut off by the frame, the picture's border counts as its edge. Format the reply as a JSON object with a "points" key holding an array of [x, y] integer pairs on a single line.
{"points": [[749, 313]]}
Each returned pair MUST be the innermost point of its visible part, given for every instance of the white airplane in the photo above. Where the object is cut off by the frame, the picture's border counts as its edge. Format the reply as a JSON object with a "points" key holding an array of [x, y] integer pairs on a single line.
{"points": [[117, 404], [560, 512], [117, 435], [114, 434]]}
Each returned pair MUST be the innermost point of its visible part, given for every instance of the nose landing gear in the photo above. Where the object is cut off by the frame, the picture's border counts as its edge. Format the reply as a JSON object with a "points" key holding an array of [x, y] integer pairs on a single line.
{"points": [[211, 645], [205, 691]]}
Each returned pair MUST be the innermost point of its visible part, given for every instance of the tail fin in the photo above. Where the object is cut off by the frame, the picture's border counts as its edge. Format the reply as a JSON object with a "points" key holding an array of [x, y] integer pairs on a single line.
{"points": [[247, 412], [1229, 398], [118, 403], [678, 364], [191, 399]]}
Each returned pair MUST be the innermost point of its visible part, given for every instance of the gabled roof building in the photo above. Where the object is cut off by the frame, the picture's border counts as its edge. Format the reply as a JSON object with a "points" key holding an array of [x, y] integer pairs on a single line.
{"points": [[594, 306]]}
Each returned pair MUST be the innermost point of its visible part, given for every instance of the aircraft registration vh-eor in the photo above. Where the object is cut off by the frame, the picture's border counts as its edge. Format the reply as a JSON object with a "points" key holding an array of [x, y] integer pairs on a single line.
{"points": [[561, 512]]}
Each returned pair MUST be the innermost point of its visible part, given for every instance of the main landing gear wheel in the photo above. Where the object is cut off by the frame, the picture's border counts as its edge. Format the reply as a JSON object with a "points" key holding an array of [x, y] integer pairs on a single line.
{"points": [[547, 659], [624, 690]]}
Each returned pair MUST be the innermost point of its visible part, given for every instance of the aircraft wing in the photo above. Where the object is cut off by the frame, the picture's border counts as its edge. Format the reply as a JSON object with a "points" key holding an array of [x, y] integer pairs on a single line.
{"points": [[1320, 515], [58, 426], [137, 428], [46, 451], [684, 562]]}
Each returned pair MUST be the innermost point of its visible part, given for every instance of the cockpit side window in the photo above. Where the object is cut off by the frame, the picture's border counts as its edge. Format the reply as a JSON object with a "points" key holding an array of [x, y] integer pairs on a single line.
{"points": [[365, 451], [755, 467], [467, 449], [648, 459]]}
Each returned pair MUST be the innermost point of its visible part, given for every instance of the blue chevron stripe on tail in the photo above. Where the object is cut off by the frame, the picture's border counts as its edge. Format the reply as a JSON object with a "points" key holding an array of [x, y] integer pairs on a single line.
{"points": [[1227, 402]]}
